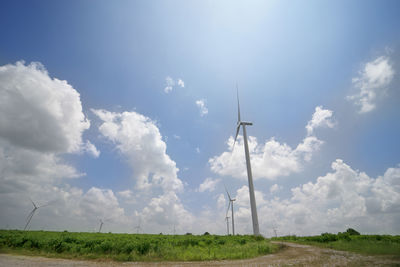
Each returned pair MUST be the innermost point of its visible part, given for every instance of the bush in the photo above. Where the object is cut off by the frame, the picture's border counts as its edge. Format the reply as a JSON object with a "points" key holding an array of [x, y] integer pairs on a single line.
{"points": [[351, 231]]}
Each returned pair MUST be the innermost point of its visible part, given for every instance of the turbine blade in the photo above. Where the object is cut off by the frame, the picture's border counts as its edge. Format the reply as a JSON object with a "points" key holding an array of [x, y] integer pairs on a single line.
{"points": [[237, 94], [236, 135], [229, 205], [33, 203], [226, 190], [30, 213], [30, 218]]}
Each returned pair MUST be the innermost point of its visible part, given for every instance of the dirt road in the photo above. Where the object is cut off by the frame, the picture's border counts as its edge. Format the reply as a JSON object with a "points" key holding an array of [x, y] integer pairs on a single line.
{"points": [[290, 255]]}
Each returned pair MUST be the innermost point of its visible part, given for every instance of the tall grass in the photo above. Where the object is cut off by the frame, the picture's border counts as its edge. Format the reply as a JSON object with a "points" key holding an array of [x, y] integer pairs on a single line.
{"points": [[132, 247]]}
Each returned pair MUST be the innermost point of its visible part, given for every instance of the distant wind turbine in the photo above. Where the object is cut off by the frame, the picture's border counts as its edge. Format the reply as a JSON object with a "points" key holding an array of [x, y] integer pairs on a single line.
{"points": [[227, 222], [276, 234], [253, 206], [101, 224], [231, 205], [138, 228], [30, 215]]}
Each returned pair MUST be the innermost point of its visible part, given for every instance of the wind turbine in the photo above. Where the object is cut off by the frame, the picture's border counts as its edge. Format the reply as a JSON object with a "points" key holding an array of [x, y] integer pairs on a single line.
{"points": [[231, 205], [30, 215], [253, 206], [138, 228], [227, 222], [101, 225]]}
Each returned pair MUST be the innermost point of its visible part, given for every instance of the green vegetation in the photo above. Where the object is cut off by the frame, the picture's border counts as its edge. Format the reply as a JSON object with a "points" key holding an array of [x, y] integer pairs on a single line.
{"points": [[351, 240], [133, 247]]}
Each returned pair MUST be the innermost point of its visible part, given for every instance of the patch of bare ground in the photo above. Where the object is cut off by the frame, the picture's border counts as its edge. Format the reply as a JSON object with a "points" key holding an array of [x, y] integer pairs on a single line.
{"points": [[290, 255]]}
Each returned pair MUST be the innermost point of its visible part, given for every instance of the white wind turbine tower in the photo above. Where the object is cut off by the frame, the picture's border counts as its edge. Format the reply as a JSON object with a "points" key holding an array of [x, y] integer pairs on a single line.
{"points": [[254, 216], [30, 215], [231, 205]]}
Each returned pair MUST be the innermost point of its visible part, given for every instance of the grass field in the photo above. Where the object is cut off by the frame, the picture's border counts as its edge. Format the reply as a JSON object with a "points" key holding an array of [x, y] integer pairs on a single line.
{"points": [[133, 247], [364, 244]]}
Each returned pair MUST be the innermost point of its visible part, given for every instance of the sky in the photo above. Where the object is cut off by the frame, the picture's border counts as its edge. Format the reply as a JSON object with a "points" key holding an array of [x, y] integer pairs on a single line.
{"points": [[126, 112]]}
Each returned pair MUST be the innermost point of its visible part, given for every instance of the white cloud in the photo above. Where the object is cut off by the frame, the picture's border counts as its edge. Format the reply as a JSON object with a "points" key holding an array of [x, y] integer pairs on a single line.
{"points": [[221, 202], [100, 204], [209, 184], [139, 141], [169, 84], [372, 83], [336, 201], [181, 83], [177, 136], [138, 138], [38, 112], [91, 149], [321, 118], [125, 193], [271, 159], [197, 150], [41, 119], [202, 107], [275, 188], [165, 211]]}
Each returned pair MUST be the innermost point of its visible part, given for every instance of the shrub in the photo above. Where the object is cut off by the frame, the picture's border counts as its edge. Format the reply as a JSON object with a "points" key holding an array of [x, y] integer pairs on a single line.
{"points": [[351, 231]]}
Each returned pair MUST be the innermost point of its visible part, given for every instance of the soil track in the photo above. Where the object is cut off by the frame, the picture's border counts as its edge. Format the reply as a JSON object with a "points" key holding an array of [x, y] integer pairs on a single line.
{"points": [[290, 255]]}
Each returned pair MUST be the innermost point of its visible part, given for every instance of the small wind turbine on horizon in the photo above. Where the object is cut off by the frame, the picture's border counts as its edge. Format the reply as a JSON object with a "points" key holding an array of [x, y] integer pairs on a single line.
{"points": [[227, 222], [101, 225], [138, 228], [253, 206], [30, 215], [230, 205]]}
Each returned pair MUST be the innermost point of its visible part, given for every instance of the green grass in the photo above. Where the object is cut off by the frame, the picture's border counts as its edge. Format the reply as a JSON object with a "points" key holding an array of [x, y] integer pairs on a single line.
{"points": [[363, 244], [133, 247]]}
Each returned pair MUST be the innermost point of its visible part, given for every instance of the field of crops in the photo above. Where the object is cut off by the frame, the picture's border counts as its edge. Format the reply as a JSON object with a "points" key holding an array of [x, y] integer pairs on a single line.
{"points": [[351, 241], [133, 247]]}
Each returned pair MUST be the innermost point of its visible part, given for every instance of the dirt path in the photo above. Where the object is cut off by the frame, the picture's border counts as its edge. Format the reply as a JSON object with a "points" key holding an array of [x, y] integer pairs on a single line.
{"points": [[290, 255]]}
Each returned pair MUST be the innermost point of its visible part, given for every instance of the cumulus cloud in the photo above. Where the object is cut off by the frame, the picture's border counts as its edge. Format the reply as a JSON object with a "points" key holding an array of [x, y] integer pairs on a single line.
{"points": [[91, 149], [202, 107], [101, 204], [39, 112], [221, 201], [41, 119], [181, 83], [321, 118], [338, 200], [275, 188], [138, 138], [139, 141], [209, 184], [271, 159], [372, 83], [170, 83]]}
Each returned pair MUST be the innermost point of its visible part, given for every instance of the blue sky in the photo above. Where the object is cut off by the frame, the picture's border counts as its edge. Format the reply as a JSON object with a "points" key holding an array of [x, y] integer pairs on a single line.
{"points": [[287, 57]]}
